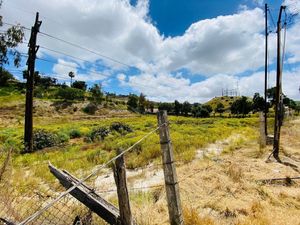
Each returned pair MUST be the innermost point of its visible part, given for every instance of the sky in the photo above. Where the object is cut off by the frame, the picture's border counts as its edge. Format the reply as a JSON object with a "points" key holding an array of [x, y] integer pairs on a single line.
{"points": [[167, 49]]}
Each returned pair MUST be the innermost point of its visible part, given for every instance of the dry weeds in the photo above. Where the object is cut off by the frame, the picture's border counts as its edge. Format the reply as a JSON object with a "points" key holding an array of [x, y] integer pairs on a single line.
{"points": [[226, 189]]}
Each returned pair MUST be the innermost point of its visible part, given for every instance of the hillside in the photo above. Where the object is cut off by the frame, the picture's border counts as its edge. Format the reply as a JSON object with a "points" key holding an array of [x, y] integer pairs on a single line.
{"points": [[225, 100]]}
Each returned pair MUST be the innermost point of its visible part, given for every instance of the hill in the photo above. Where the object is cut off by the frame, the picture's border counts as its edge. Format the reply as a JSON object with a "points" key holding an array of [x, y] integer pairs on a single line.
{"points": [[225, 100]]}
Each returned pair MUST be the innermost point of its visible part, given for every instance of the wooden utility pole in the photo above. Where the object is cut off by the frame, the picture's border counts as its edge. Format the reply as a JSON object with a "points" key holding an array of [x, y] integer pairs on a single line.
{"points": [[28, 130], [123, 197], [266, 68], [279, 103], [171, 182]]}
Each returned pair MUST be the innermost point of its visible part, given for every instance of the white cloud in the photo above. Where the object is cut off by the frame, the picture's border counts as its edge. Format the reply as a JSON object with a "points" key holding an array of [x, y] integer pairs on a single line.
{"points": [[63, 68], [125, 32], [165, 87], [122, 79], [217, 48]]}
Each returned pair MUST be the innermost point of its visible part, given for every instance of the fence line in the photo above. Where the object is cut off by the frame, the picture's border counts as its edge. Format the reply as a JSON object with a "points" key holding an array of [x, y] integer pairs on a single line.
{"points": [[38, 213]]}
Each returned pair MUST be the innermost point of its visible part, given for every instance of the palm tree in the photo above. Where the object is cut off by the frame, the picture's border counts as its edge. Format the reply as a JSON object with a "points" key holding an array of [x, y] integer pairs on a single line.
{"points": [[72, 75]]}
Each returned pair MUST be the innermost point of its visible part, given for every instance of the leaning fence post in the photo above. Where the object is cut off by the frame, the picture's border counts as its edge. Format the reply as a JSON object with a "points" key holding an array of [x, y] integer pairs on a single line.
{"points": [[171, 182], [123, 197]]}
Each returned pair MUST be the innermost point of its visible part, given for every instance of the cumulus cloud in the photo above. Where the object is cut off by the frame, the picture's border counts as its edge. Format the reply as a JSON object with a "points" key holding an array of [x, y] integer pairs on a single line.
{"points": [[218, 49], [165, 87]]}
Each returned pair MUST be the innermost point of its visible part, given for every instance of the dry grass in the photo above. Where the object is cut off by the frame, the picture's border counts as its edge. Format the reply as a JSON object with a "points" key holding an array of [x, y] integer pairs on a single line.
{"points": [[226, 190], [192, 217]]}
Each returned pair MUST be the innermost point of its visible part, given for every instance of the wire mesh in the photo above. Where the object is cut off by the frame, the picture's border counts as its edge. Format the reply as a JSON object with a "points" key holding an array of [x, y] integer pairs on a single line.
{"points": [[44, 200]]}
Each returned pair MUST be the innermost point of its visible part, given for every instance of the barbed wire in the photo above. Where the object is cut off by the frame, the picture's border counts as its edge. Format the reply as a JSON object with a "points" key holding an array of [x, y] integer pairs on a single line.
{"points": [[38, 213]]}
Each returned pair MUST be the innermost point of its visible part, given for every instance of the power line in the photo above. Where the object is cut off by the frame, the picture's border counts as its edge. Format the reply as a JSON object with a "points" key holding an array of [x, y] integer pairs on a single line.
{"points": [[272, 19], [11, 24], [73, 67], [78, 46], [65, 54], [86, 49]]}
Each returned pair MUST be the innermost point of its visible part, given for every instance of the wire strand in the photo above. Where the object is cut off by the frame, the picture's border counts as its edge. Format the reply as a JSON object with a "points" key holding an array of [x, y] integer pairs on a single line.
{"points": [[38, 213], [86, 49]]}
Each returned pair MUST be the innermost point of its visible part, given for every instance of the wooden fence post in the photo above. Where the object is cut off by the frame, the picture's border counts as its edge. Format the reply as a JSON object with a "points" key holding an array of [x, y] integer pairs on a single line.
{"points": [[171, 182], [123, 197]]}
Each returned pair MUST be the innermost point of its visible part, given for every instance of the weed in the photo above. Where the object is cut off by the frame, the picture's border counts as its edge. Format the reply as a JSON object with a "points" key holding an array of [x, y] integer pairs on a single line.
{"points": [[191, 217], [235, 172]]}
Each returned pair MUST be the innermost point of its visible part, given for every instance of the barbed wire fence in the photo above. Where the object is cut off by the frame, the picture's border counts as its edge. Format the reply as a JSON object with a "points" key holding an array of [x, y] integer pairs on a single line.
{"points": [[48, 202]]}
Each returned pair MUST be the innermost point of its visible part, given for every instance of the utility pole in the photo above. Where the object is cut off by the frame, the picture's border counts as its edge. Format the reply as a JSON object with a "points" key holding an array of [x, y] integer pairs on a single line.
{"points": [[279, 103], [28, 129], [266, 69]]}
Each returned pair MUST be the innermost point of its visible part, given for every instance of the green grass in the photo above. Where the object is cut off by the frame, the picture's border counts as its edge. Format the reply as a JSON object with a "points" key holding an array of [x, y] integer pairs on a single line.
{"points": [[187, 134], [80, 157]]}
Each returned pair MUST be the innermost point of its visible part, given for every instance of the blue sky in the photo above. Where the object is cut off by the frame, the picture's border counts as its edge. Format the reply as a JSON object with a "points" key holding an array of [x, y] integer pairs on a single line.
{"points": [[185, 50]]}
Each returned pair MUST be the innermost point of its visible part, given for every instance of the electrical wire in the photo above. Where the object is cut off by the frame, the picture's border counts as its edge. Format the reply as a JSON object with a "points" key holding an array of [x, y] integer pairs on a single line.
{"points": [[88, 50]]}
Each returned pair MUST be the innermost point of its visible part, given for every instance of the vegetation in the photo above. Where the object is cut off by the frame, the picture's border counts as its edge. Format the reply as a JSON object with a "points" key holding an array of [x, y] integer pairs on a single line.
{"points": [[241, 106], [258, 103], [9, 40], [220, 108], [5, 77], [96, 94], [70, 94], [79, 85]]}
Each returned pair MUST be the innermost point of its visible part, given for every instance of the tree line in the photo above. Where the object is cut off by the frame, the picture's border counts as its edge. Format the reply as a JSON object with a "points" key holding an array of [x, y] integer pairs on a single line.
{"points": [[240, 107]]}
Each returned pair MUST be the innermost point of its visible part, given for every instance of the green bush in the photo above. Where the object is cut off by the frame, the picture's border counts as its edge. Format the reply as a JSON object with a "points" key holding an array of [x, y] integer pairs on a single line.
{"points": [[70, 94], [120, 128], [75, 134], [43, 139], [91, 108], [62, 137], [98, 134]]}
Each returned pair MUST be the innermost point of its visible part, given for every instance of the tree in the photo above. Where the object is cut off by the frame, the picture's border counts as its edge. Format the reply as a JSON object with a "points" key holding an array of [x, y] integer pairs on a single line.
{"points": [[166, 106], [9, 40], [97, 94], [186, 108], [208, 108], [5, 77], [258, 103], [132, 102], [220, 108], [79, 85], [71, 75], [271, 94], [70, 94], [241, 106], [47, 82], [199, 110], [142, 103], [177, 108]]}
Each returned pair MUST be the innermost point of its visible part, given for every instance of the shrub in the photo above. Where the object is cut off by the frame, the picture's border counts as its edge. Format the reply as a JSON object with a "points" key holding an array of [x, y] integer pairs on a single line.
{"points": [[91, 108], [74, 133], [79, 85], [98, 134], [43, 139], [62, 137], [70, 94], [5, 77], [120, 128]]}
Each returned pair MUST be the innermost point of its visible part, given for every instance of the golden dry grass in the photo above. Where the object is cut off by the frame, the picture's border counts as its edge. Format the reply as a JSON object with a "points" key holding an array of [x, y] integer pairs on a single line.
{"points": [[226, 189]]}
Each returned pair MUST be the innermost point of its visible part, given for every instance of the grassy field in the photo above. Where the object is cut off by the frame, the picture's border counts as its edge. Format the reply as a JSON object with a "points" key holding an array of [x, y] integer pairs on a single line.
{"points": [[219, 162]]}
